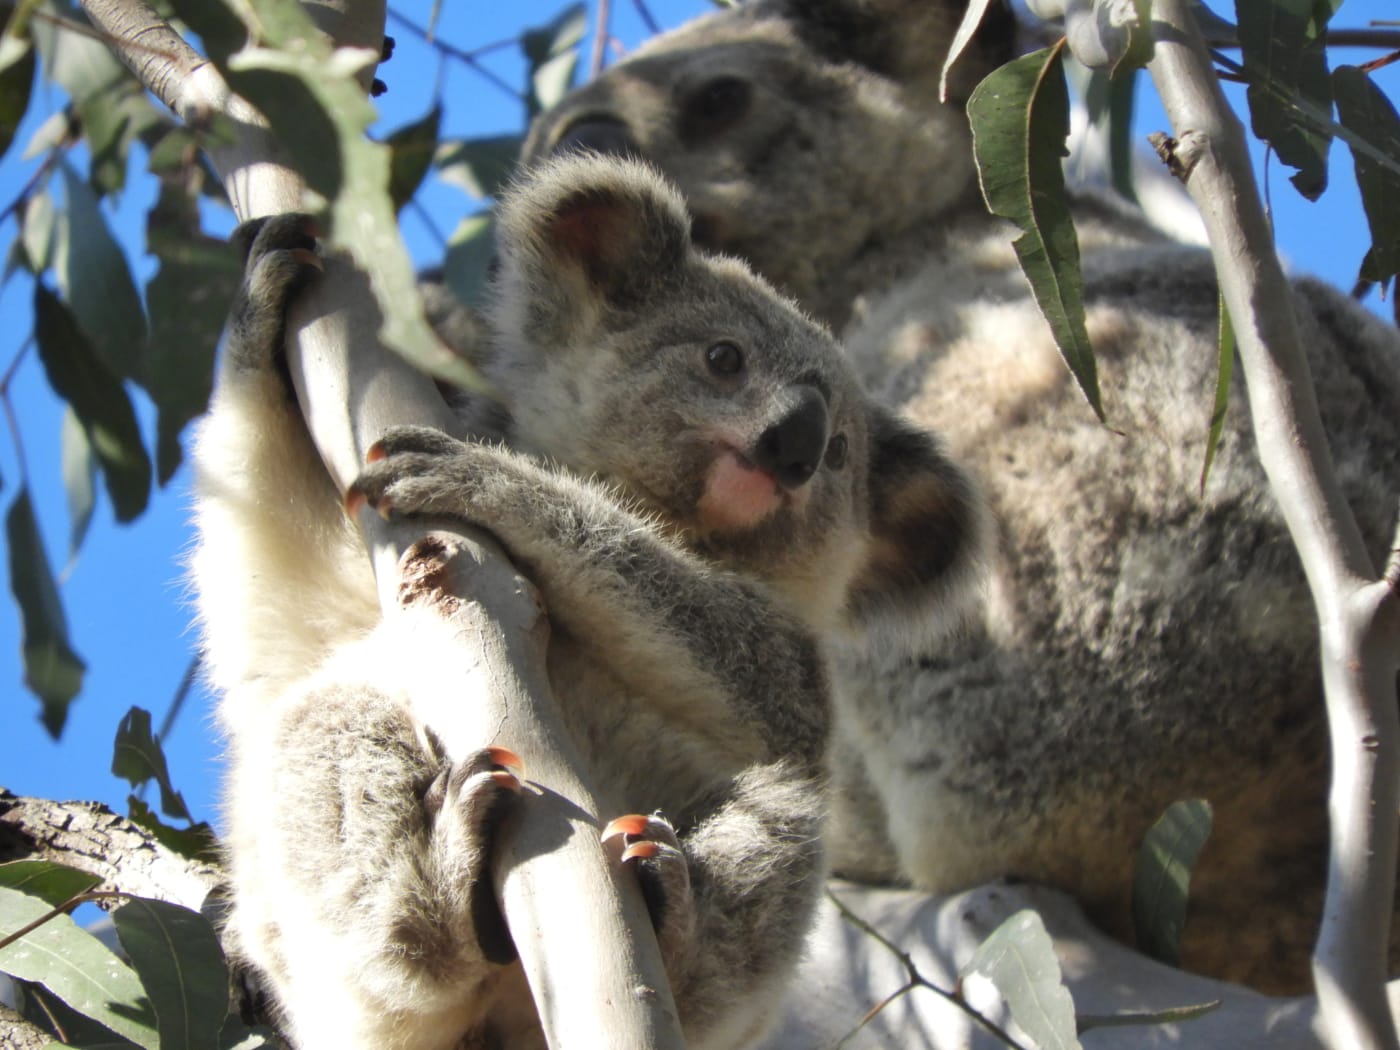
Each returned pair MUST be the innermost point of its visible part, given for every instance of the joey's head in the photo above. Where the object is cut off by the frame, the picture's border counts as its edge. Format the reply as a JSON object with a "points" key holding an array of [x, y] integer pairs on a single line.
{"points": [[624, 351], [802, 133]]}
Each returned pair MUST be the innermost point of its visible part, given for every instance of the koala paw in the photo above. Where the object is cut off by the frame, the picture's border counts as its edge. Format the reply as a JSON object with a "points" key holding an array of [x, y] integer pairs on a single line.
{"points": [[653, 851], [463, 806], [413, 470], [280, 258]]}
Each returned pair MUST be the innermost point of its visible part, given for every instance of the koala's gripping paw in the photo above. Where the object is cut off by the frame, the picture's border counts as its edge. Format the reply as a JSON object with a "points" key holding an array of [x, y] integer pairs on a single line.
{"points": [[653, 851], [412, 470], [463, 805], [280, 258]]}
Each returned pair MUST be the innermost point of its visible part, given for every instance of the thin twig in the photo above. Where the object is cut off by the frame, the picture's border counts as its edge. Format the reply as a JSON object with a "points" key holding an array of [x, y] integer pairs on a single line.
{"points": [[600, 38], [10, 418], [653, 27], [90, 897], [468, 58]]}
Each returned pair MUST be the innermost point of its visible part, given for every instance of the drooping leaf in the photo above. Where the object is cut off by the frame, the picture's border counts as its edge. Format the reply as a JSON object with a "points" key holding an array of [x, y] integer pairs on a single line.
{"points": [[78, 62], [1165, 862], [137, 757], [411, 150], [362, 219], [552, 53], [76, 967], [1130, 1018], [177, 956], [54, 884], [482, 166], [1364, 108], [96, 282], [52, 670], [1019, 959], [189, 299], [1283, 42], [16, 81], [967, 29], [468, 260], [1110, 102], [82, 379], [1224, 371], [1020, 120], [198, 841], [79, 479], [38, 231], [111, 121]]}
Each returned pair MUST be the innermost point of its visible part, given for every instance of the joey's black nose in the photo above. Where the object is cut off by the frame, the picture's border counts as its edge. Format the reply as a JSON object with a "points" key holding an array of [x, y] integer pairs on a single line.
{"points": [[598, 135], [792, 448]]}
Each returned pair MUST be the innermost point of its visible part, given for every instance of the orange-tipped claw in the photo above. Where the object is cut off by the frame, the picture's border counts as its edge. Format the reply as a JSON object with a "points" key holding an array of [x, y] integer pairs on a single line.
{"points": [[354, 502], [632, 824], [504, 756], [308, 258], [376, 453], [507, 780], [644, 850]]}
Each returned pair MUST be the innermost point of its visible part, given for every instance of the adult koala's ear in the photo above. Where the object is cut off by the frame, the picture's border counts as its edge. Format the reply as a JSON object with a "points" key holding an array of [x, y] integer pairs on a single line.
{"points": [[905, 40], [928, 532], [582, 235]]}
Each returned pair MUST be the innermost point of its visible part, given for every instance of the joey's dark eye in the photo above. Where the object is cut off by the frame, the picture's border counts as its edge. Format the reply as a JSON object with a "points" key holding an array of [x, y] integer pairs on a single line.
{"points": [[714, 106], [836, 452], [725, 359]]}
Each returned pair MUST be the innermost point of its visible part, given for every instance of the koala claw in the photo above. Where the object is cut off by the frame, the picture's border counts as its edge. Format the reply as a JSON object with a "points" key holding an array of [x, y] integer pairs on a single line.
{"points": [[423, 440], [654, 852]]}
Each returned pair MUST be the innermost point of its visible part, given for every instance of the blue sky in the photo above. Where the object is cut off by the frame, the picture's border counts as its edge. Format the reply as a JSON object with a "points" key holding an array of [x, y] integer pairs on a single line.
{"points": [[125, 597]]}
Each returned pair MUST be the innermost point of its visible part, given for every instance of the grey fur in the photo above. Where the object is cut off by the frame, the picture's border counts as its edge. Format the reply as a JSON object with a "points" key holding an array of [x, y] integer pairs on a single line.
{"points": [[1133, 642], [684, 590]]}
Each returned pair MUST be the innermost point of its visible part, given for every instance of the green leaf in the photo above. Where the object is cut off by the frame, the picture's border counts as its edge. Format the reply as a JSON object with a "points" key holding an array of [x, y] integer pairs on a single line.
{"points": [[54, 884], [81, 378], [483, 167], [52, 670], [1019, 958], [38, 231], [79, 479], [552, 53], [1363, 107], [1110, 102], [1020, 120], [96, 282], [1225, 370], [468, 259], [1168, 854], [76, 967], [137, 757], [411, 149], [189, 300], [198, 841], [1284, 42], [177, 956], [111, 121], [79, 63], [1171, 1015], [362, 219], [16, 81]]}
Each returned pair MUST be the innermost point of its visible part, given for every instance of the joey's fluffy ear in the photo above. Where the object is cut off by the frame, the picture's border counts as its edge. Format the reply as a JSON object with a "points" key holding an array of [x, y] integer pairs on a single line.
{"points": [[584, 233], [927, 530]]}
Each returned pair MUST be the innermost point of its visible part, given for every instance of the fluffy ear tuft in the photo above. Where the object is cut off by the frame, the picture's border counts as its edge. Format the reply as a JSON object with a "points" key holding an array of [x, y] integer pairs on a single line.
{"points": [[585, 231], [927, 531]]}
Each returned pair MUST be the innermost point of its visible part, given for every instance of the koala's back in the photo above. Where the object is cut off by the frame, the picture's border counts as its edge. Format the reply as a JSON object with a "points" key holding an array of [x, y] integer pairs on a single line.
{"points": [[1140, 641]]}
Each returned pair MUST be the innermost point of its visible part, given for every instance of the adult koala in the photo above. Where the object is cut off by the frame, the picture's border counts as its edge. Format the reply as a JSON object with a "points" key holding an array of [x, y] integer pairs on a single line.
{"points": [[1135, 642]]}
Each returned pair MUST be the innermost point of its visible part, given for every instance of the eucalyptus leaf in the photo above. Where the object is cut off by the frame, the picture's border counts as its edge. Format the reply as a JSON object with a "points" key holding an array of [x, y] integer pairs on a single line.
{"points": [[967, 29], [411, 150], [1364, 108], [52, 670], [96, 281], [1283, 42], [482, 166], [1224, 371], [467, 264], [37, 231], [54, 884], [1130, 1018], [182, 969], [1020, 120], [81, 378], [137, 757], [1019, 959], [79, 62], [16, 81], [197, 842], [76, 967], [79, 478], [552, 53], [1168, 855]]}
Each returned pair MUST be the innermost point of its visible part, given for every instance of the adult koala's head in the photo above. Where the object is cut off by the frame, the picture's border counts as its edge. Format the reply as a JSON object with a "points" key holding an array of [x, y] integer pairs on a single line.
{"points": [[804, 134]]}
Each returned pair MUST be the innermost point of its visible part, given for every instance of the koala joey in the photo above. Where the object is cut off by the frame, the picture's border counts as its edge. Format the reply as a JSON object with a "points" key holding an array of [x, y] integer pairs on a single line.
{"points": [[697, 484], [1133, 640]]}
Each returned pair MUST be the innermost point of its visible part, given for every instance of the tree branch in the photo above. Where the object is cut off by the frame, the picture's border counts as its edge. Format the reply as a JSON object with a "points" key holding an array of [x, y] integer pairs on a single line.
{"points": [[561, 889], [1360, 634]]}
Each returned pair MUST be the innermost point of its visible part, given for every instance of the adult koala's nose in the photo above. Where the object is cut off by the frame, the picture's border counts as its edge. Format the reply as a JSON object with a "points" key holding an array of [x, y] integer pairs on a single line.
{"points": [[604, 135], [792, 448]]}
